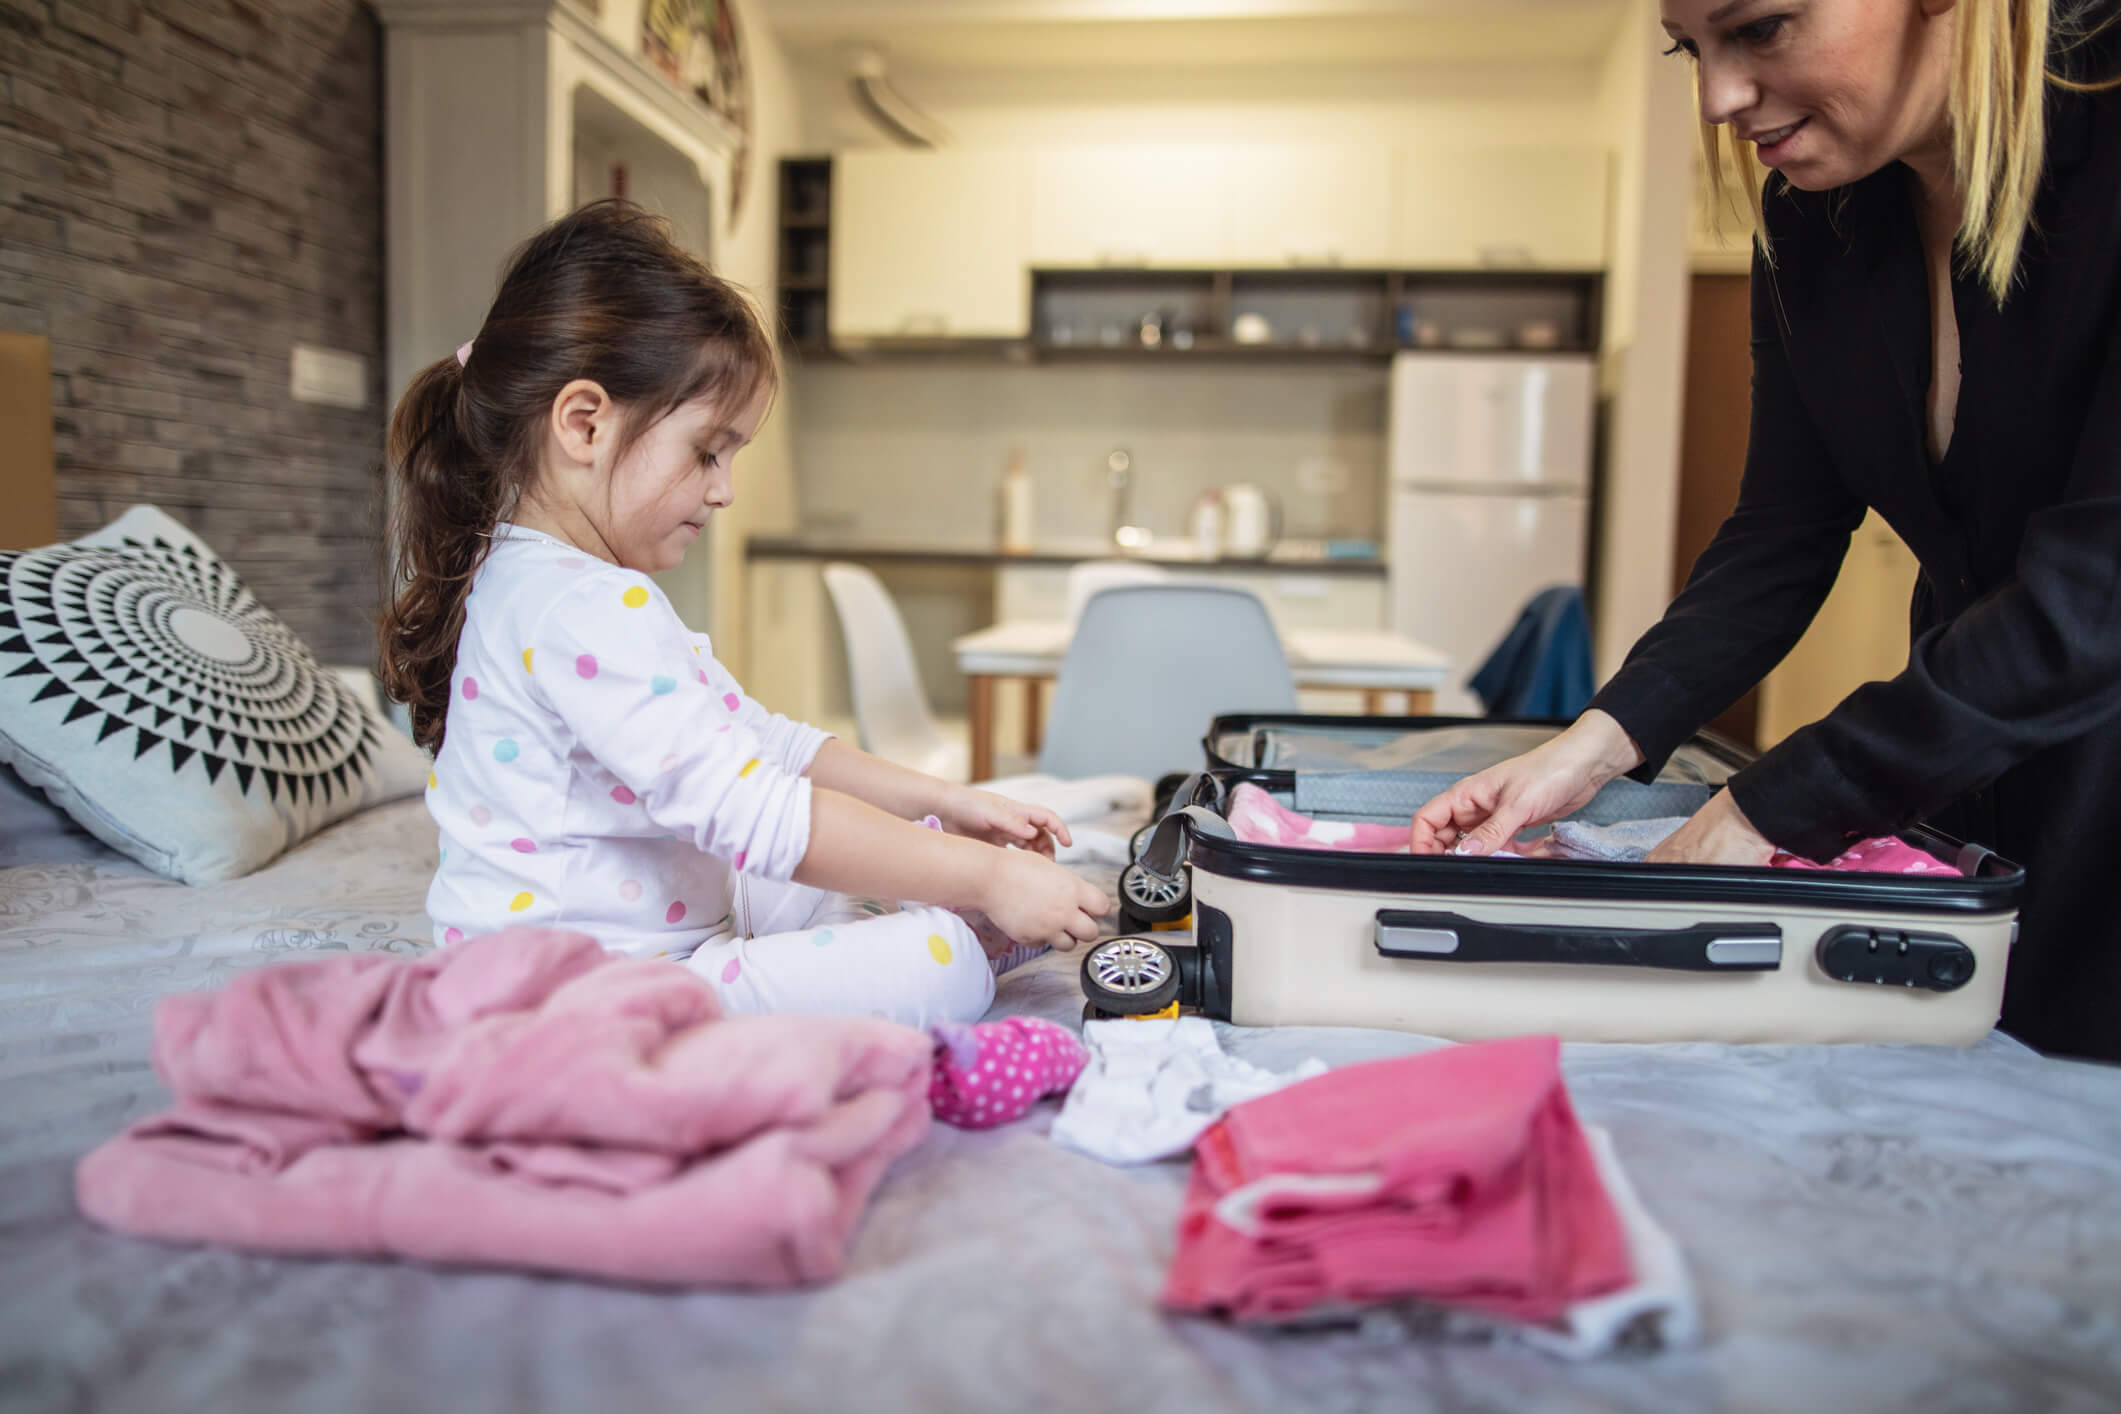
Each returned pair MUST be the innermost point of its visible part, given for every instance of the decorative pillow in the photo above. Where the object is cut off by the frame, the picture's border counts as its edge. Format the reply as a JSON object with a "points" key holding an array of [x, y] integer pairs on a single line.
{"points": [[153, 699]]}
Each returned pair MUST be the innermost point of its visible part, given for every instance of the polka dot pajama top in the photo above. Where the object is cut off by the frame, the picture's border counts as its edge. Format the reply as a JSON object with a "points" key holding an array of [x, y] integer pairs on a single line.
{"points": [[599, 769]]}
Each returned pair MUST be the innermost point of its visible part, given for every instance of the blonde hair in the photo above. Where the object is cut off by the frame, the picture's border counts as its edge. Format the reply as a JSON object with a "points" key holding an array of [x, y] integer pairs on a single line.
{"points": [[1999, 84]]}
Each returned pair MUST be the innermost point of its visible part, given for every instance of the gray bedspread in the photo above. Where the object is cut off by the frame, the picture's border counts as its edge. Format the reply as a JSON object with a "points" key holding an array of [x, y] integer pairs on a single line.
{"points": [[1871, 1228]]}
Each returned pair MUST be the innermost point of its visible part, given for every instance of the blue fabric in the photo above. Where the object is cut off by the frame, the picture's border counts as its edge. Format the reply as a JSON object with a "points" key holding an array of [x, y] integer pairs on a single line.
{"points": [[1542, 667]]}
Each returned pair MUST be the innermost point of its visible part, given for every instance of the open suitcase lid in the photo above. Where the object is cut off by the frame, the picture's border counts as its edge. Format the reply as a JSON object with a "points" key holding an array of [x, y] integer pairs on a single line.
{"points": [[1194, 827]]}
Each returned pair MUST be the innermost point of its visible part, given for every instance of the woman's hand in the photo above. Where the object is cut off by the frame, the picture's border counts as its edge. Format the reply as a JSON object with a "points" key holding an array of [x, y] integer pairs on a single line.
{"points": [[996, 819], [1034, 900], [1719, 833], [1484, 812]]}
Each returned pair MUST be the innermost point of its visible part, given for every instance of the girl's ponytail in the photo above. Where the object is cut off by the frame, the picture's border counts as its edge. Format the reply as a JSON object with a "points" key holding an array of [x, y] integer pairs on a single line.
{"points": [[447, 498], [604, 293]]}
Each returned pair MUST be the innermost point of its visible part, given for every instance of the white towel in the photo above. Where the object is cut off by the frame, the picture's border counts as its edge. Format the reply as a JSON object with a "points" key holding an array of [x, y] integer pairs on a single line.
{"points": [[1151, 1087]]}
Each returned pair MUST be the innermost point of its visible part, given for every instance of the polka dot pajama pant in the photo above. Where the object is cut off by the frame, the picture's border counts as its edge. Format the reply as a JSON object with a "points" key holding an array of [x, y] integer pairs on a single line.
{"points": [[818, 952]]}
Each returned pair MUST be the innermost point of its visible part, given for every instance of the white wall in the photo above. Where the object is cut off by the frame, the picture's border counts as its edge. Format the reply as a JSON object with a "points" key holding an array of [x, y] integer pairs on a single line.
{"points": [[1646, 104]]}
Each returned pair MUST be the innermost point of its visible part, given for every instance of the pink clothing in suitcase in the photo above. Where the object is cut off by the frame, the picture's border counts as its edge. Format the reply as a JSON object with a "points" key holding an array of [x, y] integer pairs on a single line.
{"points": [[523, 1099], [1258, 818]]}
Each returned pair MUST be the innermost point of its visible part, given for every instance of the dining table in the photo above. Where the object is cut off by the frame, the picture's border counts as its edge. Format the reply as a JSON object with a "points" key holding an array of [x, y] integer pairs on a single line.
{"points": [[1374, 662]]}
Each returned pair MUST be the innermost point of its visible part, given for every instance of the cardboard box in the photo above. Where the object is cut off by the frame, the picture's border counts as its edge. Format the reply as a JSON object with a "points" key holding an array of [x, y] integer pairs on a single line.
{"points": [[29, 500]]}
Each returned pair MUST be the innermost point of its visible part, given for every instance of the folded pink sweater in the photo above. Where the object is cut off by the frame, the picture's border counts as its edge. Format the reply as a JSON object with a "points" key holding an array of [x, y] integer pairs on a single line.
{"points": [[1460, 1176], [523, 1099]]}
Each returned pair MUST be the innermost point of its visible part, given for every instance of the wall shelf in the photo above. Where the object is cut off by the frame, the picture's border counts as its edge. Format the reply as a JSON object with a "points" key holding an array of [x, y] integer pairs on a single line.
{"points": [[804, 244]]}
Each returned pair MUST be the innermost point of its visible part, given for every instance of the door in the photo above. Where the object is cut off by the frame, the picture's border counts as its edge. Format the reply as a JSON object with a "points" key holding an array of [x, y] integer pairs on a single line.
{"points": [[1463, 565], [1859, 636], [930, 244], [1460, 420], [1716, 411]]}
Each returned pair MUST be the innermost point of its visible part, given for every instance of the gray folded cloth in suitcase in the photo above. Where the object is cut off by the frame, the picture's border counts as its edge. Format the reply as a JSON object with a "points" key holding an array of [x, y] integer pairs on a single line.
{"points": [[1458, 750], [1629, 842], [1396, 795]]}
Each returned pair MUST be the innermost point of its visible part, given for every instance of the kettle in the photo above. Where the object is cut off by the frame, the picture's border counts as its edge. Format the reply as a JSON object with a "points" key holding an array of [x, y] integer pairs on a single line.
{"points": [[1251, 522]]}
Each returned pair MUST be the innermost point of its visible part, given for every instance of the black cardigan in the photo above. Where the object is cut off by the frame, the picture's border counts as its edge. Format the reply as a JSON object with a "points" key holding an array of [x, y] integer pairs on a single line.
{"points": [[2005, 727]]}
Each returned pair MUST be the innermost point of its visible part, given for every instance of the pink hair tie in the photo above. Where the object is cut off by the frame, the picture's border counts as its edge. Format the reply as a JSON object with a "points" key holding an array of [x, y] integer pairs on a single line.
{"points": [[464, 353]]}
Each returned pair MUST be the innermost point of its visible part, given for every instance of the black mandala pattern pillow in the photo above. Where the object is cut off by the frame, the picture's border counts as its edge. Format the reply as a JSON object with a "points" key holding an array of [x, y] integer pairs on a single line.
{"points": [[156, 701]]}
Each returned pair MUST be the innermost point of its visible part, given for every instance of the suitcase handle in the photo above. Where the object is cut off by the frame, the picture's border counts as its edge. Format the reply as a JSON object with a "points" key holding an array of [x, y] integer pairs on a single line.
{"points": [[1705, 947]]}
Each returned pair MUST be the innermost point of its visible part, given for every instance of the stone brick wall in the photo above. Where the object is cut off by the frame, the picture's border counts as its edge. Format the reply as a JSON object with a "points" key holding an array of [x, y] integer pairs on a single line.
{"points": [[188, 188]]}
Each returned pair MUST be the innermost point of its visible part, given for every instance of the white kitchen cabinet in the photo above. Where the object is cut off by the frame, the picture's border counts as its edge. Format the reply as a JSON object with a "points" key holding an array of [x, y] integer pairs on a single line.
{"points": [[1124, 206], [795, 667], [1469, 208], [1308, 206], [933, 244]]}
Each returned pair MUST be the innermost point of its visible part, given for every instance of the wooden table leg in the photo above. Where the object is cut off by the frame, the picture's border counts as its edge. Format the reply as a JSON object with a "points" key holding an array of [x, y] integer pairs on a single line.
{"points": [[980, 708], [1373, 702], [1034, 703], [1420, 702]]}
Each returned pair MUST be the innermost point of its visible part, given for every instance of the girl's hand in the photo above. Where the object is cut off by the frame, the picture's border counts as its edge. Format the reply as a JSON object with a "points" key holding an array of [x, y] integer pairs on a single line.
{"points": [[1719, 833], [1034, 900], [1484, 812], [996, 819]]}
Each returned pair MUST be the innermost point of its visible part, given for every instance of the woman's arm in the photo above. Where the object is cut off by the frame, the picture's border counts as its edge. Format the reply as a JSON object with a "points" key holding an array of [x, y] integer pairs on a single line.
{"points": [[910, 794], [1756, 588], [2034, 663]]}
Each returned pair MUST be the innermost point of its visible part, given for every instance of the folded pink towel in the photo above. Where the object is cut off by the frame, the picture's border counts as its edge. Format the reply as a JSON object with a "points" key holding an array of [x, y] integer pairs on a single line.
{"points": [[1460, 1176], [523, 1099]]}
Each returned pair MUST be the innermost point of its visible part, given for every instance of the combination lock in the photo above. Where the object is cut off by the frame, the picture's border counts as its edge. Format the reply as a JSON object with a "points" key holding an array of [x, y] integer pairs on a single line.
{"points": [[1936, 961]]}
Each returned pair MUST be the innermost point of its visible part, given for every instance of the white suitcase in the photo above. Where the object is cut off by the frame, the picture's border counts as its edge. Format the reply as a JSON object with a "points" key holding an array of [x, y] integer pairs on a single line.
{"points": [[1478, 948]]}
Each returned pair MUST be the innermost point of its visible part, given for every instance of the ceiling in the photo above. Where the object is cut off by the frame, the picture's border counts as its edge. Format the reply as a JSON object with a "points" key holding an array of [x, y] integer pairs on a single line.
{"points": [[1050, 34]]}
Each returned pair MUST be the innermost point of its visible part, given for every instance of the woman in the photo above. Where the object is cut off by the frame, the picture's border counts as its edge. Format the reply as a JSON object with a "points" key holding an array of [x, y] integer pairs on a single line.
{"points": [[1947, 216]]}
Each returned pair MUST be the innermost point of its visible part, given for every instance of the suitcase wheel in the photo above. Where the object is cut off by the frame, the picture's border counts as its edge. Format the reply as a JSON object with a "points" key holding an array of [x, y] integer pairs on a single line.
{"points": [[1153, 898], [1130, 977]]}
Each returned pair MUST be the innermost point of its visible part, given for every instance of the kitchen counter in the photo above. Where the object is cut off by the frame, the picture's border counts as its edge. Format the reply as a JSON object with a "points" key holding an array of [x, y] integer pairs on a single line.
{"points": [[1307, 556]]}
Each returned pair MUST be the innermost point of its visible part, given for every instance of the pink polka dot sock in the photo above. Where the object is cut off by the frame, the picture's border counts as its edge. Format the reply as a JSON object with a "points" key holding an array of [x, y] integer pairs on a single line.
{"points": [[994, 1072]]}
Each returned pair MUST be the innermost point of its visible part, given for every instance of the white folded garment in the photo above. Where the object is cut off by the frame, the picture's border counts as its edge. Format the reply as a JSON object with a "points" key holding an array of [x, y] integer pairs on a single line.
{"points": [[1084, 799], [1151, 1087]]}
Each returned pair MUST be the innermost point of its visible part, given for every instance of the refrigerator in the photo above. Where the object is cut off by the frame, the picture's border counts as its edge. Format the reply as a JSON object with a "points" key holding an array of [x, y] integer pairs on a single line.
{"points": [[1488, 483]]}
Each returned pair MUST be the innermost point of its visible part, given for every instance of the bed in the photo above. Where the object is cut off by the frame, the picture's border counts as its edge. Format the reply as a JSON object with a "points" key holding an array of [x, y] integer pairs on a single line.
{"points": [[1871, 1228]]}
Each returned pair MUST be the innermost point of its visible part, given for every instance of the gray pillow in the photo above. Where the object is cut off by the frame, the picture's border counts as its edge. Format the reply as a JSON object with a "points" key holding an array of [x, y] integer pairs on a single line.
{"points": [[150, 696]]}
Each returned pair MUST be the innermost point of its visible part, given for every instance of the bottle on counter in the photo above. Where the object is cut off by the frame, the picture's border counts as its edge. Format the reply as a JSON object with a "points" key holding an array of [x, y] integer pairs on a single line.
{"points": [[1206, 525], [1015, 504]]}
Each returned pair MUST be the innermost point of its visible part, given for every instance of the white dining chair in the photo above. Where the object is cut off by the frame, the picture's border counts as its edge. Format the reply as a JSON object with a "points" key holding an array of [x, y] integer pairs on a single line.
{"points": [[1149, 666], [891, 708]]}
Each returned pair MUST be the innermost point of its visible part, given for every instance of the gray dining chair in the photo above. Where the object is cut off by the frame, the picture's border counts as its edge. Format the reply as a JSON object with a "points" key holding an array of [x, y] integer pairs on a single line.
{"points": [[1147, 669]]}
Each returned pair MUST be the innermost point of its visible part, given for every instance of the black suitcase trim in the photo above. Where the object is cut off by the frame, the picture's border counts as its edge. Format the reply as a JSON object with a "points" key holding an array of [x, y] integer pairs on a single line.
{"points": [[1992, 885], [1995, 889]]}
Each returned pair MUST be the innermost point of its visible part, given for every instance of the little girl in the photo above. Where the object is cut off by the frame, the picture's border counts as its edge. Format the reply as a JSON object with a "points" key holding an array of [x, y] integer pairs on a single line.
{"points": [[595, 766]]}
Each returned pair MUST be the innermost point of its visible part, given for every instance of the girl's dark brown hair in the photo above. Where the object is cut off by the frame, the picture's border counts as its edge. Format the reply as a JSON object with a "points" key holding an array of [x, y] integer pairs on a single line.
{"points": [[605, 293]]}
